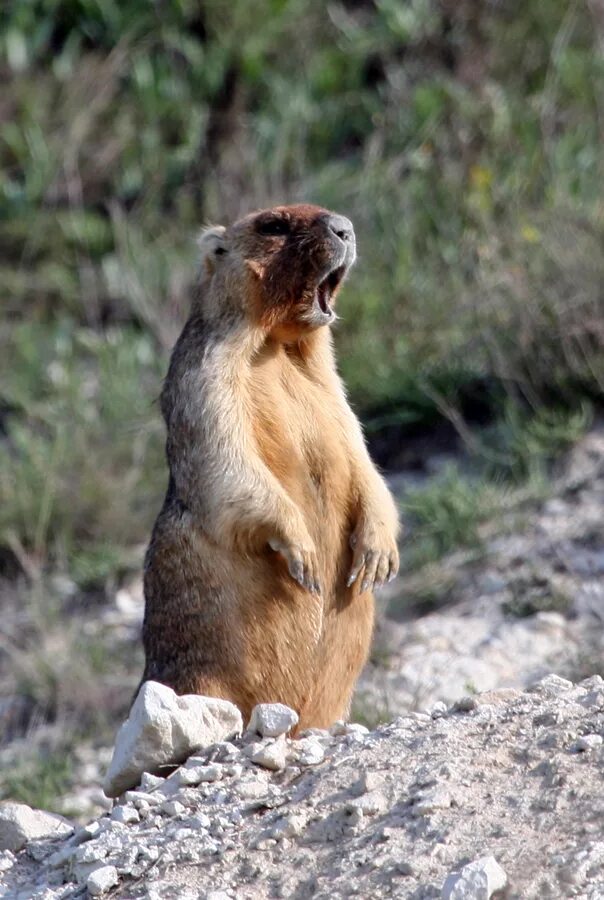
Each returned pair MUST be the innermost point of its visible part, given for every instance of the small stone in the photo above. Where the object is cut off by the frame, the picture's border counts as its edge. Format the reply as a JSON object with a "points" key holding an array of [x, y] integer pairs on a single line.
{"points": [[150, 853], [369, 781], [593, 699], [164, 728], [322, 733], [587, 742], [102, 880], [405, 869], [265, 844], [550, 621], [341, 728], [225, 751], [307, 752], [199, 822], [438, 710], [288, 826], [477, 881], [170, 787], [272, 719], [270, 756], [39, 850], [498, 697], [552, 685], [20, 824], [87, 832], [7, 860], [433, 801], [173, 808], [370, 804], [125, 814], [91, 853], [354, 814], [150, 783], [199, 774], [141, 800], [252, 790]]}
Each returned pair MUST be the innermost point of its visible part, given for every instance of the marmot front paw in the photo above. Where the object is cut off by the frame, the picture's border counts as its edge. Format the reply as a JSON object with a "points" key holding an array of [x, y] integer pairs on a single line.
{"points": [[375, 554], [301, 562]]}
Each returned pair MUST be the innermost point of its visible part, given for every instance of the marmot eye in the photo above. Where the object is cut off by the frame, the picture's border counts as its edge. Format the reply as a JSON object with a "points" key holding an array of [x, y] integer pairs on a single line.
{"points": [[273, 227]]}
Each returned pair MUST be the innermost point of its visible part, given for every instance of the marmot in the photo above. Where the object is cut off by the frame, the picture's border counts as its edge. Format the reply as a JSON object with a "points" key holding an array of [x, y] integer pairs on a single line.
{"points": [[276, 525]]}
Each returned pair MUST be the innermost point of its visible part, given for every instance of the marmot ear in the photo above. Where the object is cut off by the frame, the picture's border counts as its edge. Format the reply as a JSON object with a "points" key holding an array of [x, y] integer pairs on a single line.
{"points": [[212, 245]]}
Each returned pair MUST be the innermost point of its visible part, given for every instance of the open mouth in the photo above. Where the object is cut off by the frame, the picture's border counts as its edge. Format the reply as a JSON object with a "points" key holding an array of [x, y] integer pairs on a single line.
{"points": [[327, 288]]}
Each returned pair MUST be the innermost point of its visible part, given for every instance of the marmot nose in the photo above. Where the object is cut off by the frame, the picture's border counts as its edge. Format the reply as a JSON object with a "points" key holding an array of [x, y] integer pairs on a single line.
{"points": [[341, 226]]}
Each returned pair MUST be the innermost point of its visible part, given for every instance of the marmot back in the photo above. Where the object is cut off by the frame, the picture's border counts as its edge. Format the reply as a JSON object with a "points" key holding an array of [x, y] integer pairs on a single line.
{"points": [[276, 526]]}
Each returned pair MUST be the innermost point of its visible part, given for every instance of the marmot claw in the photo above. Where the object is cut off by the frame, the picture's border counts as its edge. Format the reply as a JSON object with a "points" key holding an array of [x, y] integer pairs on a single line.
{"points": [[301, 563], [379, 566]]}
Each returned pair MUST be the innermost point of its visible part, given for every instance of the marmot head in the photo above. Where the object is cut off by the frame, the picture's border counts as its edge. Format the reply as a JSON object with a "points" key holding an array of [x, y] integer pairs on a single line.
{"points": [[280, 267]]}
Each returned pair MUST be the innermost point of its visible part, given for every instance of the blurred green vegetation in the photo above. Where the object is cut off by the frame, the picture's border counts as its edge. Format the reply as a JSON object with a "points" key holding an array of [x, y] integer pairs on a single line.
{"points": [[463, 138], [39, 786]]}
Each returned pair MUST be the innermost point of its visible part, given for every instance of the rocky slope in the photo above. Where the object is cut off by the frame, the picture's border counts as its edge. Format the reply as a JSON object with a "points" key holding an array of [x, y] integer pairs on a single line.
{"points": [[529, 601], [502, 791]]}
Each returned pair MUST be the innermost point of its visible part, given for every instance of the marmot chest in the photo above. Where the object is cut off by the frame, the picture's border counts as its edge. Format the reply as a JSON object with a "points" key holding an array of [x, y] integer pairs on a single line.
{"points": [[300, 437]]}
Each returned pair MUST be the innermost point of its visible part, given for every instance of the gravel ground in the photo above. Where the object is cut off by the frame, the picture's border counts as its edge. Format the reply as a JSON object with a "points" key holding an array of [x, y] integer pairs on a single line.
{"points": [[517, 776]]}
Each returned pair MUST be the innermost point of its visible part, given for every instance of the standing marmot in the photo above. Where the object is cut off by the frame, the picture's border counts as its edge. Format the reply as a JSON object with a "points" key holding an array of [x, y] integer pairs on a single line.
{"points": [[276, 525]]}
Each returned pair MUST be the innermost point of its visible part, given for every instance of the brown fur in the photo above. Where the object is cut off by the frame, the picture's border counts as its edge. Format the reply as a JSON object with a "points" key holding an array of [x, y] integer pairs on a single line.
{"points": [[264, 452]]}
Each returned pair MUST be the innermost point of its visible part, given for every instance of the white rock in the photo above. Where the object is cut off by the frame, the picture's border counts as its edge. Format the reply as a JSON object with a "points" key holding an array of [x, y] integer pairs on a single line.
{"points": [[173, 808], [252, 790], [593, 699], [588, 742], [102, 880], [7, 860], [477, 881], [225, 751], [125, 814], [370, 804], [87, 832], [307, 752], [272, 719], [93, 852], [150, 783], [270, 756], [288, 826], [164, 729], [141, 800], [20, 824], [200, 822], [552, 685], [265, 844], [369, 781], [199, 774], [430, 802], [340, 728]]}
